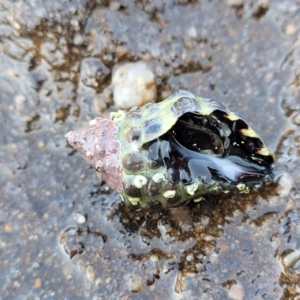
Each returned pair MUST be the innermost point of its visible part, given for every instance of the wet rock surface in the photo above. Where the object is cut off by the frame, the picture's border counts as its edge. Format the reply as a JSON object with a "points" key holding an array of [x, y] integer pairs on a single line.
{"points": [[64, 234]]}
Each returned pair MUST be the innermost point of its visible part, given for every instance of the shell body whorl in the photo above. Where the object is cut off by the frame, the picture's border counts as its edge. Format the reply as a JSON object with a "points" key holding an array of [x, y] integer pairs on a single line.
{"points": [[163, 154]]}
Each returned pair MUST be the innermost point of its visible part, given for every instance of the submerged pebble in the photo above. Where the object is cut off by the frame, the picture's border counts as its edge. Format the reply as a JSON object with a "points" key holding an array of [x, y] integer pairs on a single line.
{"points": [[90, 272], [135, 283], [80, 218], [236, 292], [296, 119], [133, 84], [285, 184]]}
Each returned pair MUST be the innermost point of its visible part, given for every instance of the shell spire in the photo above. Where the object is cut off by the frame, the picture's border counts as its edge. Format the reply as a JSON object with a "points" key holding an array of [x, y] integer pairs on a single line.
{"points": [[98, 145]]}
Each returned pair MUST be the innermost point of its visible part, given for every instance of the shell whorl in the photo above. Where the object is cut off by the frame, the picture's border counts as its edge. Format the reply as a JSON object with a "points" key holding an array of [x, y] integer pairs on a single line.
{"points": [[98, 145]]}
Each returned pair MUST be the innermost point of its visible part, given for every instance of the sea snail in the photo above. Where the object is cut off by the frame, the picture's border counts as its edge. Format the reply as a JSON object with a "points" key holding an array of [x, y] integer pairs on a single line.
{"points": [[164, 154]]}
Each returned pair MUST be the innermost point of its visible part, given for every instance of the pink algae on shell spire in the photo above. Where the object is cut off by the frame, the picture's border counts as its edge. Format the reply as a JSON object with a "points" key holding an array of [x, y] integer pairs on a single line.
{"points": [[98, 145]]}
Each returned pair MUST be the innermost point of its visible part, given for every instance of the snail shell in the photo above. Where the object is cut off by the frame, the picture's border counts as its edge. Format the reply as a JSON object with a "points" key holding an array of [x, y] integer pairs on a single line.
{"points": [[163, 154]]}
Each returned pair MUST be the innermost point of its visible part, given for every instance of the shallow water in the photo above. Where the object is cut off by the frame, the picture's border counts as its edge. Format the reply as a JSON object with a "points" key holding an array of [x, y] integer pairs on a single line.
{"points": [[63, 234]]}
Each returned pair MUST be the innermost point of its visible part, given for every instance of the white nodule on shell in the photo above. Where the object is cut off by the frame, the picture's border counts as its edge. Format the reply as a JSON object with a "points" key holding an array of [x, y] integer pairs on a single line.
{"points": [[135, 146], [198, 199], [139, 181], [98, 164], [192, 188], [158, 177], [133, 84], [169, 194], [93, 122], [89, 154]]}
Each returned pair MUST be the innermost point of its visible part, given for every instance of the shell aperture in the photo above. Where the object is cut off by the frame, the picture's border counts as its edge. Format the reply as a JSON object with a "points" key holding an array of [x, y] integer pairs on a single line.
{"points": [[164, 154]]}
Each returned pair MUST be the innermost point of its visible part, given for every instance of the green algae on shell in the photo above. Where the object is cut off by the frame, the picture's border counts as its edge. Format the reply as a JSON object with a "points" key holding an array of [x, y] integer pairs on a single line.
{"points": [[164, 154]]}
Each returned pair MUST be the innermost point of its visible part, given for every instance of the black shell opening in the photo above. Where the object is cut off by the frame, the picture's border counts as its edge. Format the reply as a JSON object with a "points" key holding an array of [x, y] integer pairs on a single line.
{"points": [[210, 148]]}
